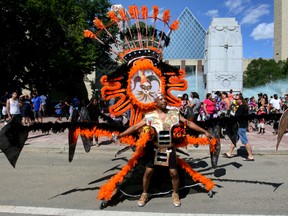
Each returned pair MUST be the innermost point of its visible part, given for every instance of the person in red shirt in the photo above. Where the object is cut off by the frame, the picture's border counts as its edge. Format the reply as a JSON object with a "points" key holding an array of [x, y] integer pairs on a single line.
{"points": [[231, 95], [209, 106], [261, 121]]}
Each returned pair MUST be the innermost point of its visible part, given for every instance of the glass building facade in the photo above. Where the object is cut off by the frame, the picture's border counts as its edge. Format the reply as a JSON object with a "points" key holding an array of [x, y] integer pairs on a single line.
{"points": [[188, 41], [186, 51]]}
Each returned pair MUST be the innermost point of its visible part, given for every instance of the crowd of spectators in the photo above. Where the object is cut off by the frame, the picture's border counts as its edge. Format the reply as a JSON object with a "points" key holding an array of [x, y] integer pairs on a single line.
{"points": [[34, 107], [224, 104]]}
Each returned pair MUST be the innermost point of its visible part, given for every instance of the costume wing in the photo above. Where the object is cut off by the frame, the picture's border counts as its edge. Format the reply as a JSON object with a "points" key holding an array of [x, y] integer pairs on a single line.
{"points": [[215, 149], [283, 126], [12, 137]]}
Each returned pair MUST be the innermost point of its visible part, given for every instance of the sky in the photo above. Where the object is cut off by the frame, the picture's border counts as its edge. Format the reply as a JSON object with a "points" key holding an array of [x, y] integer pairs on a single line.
{"points": [[255, 17]]}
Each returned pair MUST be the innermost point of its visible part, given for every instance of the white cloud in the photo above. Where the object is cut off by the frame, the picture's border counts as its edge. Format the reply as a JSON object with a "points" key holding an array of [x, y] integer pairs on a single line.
{"points": [[212, 13], [263, 31], [236, 6], [253, 15]]}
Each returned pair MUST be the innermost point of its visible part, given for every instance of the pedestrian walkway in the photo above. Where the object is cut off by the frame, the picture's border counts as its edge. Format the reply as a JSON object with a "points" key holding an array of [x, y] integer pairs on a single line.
{"points": [[261, 144]]}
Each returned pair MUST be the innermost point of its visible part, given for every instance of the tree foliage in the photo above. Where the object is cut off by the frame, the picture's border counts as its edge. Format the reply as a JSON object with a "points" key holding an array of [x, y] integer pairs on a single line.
{"points": [[263, 72], [42, 45]]}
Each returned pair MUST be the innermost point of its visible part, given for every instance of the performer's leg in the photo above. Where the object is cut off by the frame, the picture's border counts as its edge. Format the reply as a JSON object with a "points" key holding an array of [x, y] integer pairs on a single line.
{"points": [[175, 185], [146, 178], [175, 179], [146, 181]]}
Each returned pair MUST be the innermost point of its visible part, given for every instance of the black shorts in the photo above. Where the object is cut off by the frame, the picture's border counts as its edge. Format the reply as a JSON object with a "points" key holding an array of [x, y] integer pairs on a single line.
{"points": [[37, 114], [150, 155]]}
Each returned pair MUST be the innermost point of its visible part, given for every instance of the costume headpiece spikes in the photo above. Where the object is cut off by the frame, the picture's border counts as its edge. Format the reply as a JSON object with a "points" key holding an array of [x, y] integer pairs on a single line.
{"points": [[138, 38]]}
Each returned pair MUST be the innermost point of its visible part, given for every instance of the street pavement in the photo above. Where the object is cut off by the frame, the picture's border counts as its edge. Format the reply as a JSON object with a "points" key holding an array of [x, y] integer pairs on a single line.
{"points": [[263, 147]]}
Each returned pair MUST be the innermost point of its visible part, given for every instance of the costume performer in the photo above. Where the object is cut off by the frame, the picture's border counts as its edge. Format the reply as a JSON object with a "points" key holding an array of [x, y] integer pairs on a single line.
{"points": [[161, 151], [142, 78]]}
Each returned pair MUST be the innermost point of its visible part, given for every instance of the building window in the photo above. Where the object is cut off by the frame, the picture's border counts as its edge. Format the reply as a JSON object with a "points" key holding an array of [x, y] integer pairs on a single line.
{"points": [[190, 69]]}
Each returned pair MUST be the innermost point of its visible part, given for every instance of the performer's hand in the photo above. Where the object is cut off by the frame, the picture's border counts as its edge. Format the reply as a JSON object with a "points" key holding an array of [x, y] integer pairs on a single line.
{"points": [[209, 136]]}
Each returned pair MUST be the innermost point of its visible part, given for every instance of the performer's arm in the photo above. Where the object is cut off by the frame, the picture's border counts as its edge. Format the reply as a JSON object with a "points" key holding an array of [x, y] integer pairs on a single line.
{"points": [[133, 128]]}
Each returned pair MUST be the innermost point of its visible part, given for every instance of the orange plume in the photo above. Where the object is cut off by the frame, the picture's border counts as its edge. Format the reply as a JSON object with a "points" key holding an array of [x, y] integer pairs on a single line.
{"points": [[98, 23], [166, 16], [144, 12], [133, 11], [174, 26], [155, 12], [208, 183], [89, 34], [122, 14], [113, 17]]}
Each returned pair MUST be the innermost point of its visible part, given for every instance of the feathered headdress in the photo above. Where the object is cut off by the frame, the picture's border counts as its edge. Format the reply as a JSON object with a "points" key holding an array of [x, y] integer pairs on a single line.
{"points": [[139, 46], [138, 39]]}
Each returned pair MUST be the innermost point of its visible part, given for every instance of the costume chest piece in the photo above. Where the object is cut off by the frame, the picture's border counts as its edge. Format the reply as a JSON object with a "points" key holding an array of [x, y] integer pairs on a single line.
{"points": [[163, 126]]}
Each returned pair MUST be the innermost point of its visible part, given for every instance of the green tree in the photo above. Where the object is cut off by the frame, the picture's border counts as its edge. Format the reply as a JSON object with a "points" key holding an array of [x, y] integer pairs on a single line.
{"points": [[43, 46], [283, 65], [261, 72]]}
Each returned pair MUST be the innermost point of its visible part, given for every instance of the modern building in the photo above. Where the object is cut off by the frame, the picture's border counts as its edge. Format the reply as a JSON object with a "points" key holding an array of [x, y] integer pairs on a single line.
{"points": [[280, 30], [186, 49], [223, 58], [212, 59]]}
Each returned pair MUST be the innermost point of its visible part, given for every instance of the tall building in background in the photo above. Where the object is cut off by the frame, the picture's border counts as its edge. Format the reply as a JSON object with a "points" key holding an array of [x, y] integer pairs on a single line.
{"points": [[223, 60], [186, 50], [280, 29], [188, 41]]}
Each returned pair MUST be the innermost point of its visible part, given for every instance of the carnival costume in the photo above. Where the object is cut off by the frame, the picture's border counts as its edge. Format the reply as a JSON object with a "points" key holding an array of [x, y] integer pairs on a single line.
{"points": [[135, 83]]}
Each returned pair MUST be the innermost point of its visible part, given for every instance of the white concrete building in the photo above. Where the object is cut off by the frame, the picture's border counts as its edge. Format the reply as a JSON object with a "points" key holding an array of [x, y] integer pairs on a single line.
{"points": [[223, 60]]}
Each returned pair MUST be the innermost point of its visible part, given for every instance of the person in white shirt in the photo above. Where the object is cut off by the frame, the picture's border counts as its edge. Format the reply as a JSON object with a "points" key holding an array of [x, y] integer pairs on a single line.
{"points": [[13, 108], [276, 103]]}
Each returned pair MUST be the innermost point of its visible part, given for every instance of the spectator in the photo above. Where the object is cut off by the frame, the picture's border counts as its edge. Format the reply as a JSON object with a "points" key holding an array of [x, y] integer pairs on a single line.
{"points": [[275, 107], [26, 108], [184, 103], [242, 110], [43, 99], [37, 107], [3, 102], [65, 106], [266, 102], [209, 106], [260, 101], [276, 103], [58, 111], [252, 105], [231, 95], [13, 108], [75, 103], [194, 107], [224, 105], [261, 121]]}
